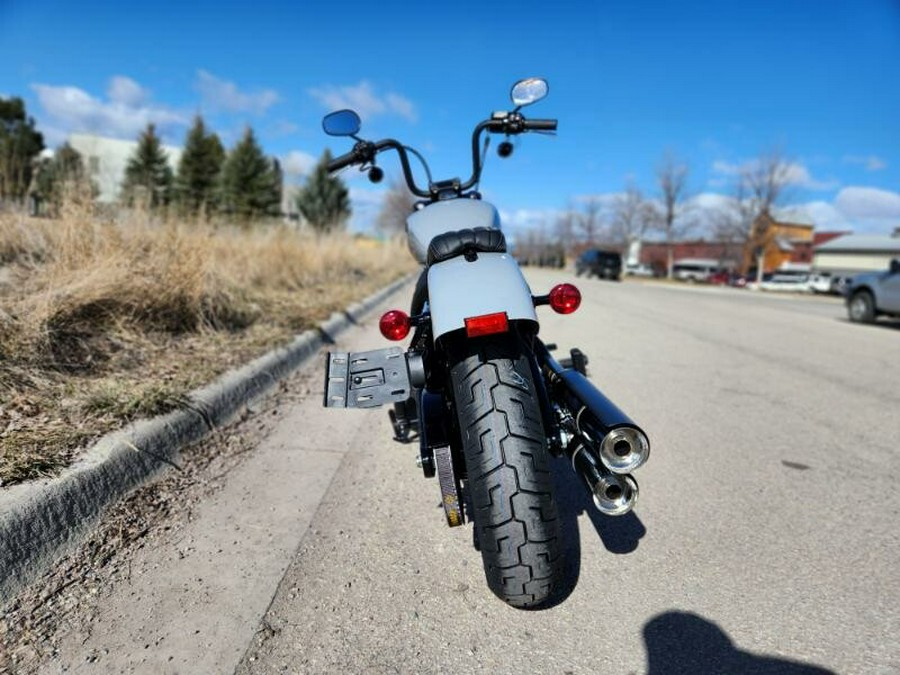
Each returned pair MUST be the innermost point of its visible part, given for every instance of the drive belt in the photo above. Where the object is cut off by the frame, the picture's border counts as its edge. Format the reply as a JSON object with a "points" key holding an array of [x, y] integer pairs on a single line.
{"points": [[450, 493]]}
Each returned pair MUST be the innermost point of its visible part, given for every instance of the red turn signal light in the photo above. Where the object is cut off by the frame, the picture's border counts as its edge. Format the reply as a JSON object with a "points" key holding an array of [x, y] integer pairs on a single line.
{"points": [[565, 298], [394, 325], [487, 324]]}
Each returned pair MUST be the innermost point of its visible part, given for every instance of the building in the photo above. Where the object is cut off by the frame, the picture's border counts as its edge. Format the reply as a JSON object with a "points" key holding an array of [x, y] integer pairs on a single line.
{"points": [[804, 251], [783, 242], [854, 253], [105, 160], [727, 255]]}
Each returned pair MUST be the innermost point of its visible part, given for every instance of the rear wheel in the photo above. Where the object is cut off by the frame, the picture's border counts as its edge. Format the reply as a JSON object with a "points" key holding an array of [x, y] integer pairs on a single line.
{"points": [[862, 307], [509, 480]]}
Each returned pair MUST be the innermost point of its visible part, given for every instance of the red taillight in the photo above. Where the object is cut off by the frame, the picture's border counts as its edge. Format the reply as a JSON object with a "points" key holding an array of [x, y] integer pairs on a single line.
{"points": [[487, 324], [394, 325], [565, 298]]}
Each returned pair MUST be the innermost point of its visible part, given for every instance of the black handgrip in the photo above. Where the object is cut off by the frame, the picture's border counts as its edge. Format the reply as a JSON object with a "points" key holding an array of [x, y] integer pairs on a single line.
{"points": [[340, 162], [540, 125]]}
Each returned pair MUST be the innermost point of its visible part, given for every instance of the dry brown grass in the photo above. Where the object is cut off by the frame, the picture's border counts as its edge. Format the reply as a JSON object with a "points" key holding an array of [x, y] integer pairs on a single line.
{"points": [[103, 321]]}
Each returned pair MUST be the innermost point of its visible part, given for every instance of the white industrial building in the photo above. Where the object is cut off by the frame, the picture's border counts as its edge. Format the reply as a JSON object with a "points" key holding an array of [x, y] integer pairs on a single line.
{"points": [[855, 253], [106, 158]]}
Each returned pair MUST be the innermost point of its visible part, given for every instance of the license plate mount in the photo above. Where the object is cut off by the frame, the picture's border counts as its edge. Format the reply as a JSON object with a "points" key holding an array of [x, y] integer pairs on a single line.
{"points": [[366, 379]]}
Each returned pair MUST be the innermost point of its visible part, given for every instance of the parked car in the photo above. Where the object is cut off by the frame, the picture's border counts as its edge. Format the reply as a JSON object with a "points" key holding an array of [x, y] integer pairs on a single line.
{"points": [[692, 271], [873, 293], [600, 263], [824, 282], [720, 278], [640, 270], [798, 283]]}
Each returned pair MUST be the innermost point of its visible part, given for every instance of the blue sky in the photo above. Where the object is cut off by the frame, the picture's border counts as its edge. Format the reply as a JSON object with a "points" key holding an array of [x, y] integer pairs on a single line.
{"points": [[715, 82]]}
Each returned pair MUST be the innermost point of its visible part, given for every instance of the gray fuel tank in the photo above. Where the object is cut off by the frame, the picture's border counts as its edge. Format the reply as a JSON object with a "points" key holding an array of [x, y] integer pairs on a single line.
{"points": [[449, 216]]}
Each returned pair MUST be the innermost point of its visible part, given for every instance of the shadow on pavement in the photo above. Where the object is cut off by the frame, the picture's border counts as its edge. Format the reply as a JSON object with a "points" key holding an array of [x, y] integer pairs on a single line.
{"points": [[681, 642], [619, 535], [883, 322]]}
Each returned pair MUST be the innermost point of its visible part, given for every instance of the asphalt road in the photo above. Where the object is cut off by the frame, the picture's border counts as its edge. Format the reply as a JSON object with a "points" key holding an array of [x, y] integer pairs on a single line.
{"points": [[765, 540]]}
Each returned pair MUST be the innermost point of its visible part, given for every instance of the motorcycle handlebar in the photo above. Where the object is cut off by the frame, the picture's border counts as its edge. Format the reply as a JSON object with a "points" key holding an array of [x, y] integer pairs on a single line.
{"points": [[541, 125], [344, 160], [365, 151]]}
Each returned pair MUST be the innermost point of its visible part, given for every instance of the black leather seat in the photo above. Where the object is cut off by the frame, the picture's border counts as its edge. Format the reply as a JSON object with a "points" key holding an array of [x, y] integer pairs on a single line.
{"points": [[477, 240], [451, 244]]}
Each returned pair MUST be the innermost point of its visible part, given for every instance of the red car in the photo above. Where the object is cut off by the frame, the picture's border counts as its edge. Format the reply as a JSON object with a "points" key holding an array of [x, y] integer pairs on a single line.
{"points": [[720, 278]]}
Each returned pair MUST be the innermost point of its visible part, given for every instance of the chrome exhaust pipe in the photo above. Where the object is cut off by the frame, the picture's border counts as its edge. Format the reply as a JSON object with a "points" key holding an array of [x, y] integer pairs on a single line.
{"points": [[624, 449], [621, 444], [613, 494]]}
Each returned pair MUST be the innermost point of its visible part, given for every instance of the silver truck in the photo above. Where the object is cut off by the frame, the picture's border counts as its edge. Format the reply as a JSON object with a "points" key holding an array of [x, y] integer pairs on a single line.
{"points": [[873, 293]]}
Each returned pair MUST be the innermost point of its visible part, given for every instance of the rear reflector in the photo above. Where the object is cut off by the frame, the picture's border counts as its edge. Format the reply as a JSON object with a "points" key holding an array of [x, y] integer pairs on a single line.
{"points": [[487, 324], [394, 325], [565, 298]]}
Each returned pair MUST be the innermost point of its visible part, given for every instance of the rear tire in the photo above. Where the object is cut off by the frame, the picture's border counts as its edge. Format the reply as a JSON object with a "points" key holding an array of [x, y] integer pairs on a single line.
{"points": [[861, 308], [509, 480]]}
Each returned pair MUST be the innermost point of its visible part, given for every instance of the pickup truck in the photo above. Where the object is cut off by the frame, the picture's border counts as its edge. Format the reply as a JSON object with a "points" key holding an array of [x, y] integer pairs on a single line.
{"points": [[873, 293]]}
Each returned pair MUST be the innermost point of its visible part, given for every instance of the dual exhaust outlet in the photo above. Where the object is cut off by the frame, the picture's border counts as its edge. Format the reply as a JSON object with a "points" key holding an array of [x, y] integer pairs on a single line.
{"points": [[606, 446], [613, 494]]}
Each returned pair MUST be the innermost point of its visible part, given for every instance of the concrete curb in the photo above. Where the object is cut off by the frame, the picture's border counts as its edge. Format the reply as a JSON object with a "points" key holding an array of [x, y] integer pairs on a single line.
{"points": [[41, 522]]}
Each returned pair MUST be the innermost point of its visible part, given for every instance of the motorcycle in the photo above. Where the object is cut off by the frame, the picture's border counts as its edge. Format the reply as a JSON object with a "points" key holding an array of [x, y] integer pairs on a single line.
{"points": [[477, 388]]}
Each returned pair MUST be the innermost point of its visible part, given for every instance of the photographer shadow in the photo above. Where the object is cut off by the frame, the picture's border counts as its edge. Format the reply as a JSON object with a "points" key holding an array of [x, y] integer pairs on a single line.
{"points": [[683, 643]]}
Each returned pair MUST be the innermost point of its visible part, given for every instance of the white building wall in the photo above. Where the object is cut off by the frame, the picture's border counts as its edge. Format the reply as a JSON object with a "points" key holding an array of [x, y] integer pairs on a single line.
{"points": [[851, 262], [106, 158]]}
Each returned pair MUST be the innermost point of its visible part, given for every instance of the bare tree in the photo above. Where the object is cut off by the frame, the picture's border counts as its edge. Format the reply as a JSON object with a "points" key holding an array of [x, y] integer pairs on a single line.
{"points": [[632, 215], [396, 206], [671, 176], [564, 230], [763, 183], [589, 221], [745, 219]]}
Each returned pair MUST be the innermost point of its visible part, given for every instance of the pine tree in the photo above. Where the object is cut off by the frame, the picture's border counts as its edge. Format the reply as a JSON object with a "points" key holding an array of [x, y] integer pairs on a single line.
{"points": [[324, 201], [148, 176], [62, 177], [250, 185], [277, 186], [20, 144], [198, 171]]}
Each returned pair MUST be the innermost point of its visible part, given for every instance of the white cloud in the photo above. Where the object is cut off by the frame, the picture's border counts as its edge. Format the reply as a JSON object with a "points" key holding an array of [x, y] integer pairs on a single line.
{"points": [[364, 100], [858, 209], [796, 174], [870, 162], [710, 200], [825, 216], [126, 91], [866, 202], [530, 219], [124, 115], [218, 94], [297, 163], [799, 175], [402, 106]]}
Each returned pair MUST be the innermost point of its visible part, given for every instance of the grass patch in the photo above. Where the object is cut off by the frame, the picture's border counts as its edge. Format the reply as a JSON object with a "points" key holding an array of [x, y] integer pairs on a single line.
{"points": [[106, 321]]}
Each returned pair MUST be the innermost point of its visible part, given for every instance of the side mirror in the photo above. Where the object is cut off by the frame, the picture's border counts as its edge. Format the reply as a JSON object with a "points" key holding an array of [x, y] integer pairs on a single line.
{"points": [[341, 123], [528, 91], [895, 266]]}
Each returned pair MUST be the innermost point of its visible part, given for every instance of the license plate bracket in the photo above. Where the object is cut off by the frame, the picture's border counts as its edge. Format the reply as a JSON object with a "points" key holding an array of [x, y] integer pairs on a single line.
{"points": [[366, 379]]}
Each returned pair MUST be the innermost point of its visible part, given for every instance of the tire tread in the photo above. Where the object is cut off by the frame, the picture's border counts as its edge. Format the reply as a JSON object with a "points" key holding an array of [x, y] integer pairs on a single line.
{"points": [[509, 478]]}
